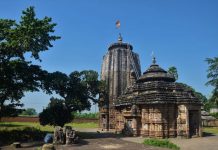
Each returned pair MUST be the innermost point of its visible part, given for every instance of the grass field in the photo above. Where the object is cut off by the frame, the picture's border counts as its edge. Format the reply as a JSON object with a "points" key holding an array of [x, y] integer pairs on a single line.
{"points": [[213, 130], [21, 125], [29, 131]]}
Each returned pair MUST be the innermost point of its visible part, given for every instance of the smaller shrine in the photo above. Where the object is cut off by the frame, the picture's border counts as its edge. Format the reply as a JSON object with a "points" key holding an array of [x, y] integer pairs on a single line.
{"points": [[156, 106]]}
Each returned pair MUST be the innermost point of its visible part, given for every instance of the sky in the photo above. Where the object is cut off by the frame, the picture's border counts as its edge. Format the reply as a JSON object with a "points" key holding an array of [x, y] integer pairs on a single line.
{"points": [[181, 33]]}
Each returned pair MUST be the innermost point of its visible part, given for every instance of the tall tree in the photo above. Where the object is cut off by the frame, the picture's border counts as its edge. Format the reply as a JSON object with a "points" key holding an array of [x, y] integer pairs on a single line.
{"points": [[213, 78], [78, 89], [212, 72], [172, 70], [17, 75]]}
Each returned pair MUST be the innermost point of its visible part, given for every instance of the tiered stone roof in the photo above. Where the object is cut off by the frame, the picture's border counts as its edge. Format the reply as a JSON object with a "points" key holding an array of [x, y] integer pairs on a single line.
{"points": [[156, 86]]}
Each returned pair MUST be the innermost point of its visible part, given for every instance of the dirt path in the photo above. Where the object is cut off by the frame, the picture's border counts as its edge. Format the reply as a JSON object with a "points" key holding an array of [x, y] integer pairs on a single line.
{"points": [[107, 144], [91, 144], [203, 143]]}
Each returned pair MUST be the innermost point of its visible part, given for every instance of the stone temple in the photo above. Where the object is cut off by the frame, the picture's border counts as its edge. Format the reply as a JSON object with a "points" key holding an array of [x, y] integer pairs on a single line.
{"points": [[151, 105]]}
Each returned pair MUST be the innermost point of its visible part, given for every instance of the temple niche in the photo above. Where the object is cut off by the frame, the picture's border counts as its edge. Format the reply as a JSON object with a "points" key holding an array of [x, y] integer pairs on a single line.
{"points": [[156, 106]]}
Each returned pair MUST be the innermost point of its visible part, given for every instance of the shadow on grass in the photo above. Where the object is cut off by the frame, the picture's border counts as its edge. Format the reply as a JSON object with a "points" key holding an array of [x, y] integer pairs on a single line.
{"points": [[22, 135], [206, 134], [11, 125]]}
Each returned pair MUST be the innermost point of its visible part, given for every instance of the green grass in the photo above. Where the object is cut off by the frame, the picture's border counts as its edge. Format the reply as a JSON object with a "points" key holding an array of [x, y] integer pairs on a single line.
{"points": [[21, 125], [28, 131], [213, 130], [161, 143], [84, 125]]}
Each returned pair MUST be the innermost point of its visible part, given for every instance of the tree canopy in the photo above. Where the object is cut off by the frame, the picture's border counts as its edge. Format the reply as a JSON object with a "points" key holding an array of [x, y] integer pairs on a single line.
{"points": [[172, 70], [212, 72], [17, 75], [78, 91], [213, 79], [29, 112], [56, 113]]}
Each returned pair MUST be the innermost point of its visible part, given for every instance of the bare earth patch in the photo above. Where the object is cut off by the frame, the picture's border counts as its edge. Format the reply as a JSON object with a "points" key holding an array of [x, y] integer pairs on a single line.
{"points": [[111, 146]]}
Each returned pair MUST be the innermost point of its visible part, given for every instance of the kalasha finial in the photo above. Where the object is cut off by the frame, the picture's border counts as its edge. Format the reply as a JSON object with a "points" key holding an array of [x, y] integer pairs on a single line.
{"points": [[153, 60], [120, 39]]}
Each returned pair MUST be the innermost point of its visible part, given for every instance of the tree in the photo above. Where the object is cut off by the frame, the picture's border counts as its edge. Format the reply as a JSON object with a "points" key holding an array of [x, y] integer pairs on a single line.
{"points": [[172, 70], [213, 78], [212, 72], [29, 112], [56, 114], [77, 91], [17, 75]]}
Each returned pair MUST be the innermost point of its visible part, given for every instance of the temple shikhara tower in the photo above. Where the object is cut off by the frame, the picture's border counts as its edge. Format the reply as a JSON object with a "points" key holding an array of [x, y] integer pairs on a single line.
{"points": [[120, 69]]}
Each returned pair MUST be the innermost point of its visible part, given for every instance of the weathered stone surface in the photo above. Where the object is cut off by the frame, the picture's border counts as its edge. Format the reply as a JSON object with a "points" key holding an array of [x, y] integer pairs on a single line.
{"points": [[65, 135], [164, 108]]}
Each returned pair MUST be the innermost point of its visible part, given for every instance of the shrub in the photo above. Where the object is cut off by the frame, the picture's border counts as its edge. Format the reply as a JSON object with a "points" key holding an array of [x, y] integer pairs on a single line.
{"points": [[85, 115], [56, 113], [161, 143], [214, 114]]}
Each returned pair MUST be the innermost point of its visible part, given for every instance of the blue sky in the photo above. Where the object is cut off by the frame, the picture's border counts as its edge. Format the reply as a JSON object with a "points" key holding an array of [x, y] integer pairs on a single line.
{"points": [[181, 33]]}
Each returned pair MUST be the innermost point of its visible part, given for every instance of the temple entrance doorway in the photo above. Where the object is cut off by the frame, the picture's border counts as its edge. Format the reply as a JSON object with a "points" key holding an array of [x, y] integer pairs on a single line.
{"points": [[129, 123], [128, 130], [193, 123]]}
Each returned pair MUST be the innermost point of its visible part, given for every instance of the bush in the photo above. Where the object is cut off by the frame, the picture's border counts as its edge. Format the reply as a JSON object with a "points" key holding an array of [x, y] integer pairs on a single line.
{"points": [[25, 134], [214, 114], [161, 143], [55, 114], [85, 115]]}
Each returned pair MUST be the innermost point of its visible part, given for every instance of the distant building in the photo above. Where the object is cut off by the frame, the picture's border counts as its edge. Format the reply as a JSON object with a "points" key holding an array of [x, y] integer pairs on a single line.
{"points": [[214, 110], [151, 105]]}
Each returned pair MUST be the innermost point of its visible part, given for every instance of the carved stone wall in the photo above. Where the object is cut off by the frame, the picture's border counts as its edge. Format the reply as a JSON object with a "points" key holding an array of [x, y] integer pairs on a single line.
{"points": [[162, 120], [159, 121], [182, 121]]}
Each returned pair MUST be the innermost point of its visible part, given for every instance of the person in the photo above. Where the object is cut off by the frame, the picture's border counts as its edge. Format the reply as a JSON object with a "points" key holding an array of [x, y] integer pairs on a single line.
{"points": [[48, 138]]}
